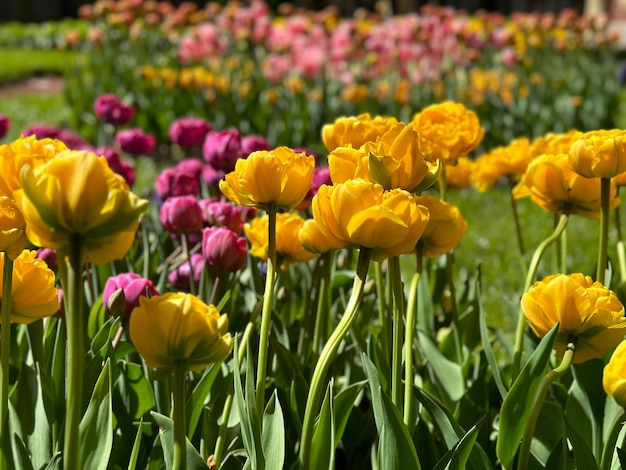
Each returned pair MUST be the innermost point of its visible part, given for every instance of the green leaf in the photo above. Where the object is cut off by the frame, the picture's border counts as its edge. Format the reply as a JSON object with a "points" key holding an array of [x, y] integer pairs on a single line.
{"points": [[273, 438], [449, 374], [583, 455], [323, 443], [343, 405], [425, 308], [196, 399], [456, 458], [518, 402], [21, 458], [97, 318], [134, 454], [96, 427], [166, 434], [395, 446], [135, 390]]}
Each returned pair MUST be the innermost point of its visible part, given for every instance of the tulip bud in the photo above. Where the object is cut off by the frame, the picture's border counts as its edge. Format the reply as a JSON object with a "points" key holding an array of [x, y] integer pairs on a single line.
{"points": [[172, 182], [181, 215], [135, 141], [222, 148], [179, 277], [110, 109], [189, 132], [121, 293], [223, 250], [252, 143], [115, 305]]}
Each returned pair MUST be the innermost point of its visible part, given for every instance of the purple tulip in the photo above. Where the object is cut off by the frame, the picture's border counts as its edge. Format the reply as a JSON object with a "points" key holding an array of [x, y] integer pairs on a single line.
{"points": [[47, 131], [171, 182], [110, 109], [223, 250], [189, 132], [135, 141], [222, 214], [179, 277], [252, 143], [181, 214], [221, 149], [124, 169], [49, 256], [121, 293]]}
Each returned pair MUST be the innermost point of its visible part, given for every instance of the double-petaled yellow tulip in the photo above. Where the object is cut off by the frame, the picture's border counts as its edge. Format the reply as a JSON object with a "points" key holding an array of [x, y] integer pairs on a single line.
{"points": [[447, 131], [552, 185], [279, 177], [354, 131], [288, 246], [33, 294], [587, 312], [598, 154], [179, 327], [76, 194], [614, 375], [359, 213], [446, 226], [552, 143], [394, 160], [22, 152], [510, 161], [12, 228]]}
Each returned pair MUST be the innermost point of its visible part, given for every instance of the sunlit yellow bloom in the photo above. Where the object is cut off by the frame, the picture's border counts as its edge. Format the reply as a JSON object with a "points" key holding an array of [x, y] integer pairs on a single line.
{"points": [[458, 176], [586, 311], [33, 295], [179, 327], [279, 177], [358, 213], [446, 226], [614, 375], [447, 131], [288, 247], [355, 131], [510, 161], [598, 154], [12, 228], [552, 143], [76, 194], [552, 185], [24, 151], [394, 160]]}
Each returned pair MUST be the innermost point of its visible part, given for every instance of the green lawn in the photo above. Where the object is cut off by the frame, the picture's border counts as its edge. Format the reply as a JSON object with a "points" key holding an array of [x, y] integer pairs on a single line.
{"points": [[17, 64]]}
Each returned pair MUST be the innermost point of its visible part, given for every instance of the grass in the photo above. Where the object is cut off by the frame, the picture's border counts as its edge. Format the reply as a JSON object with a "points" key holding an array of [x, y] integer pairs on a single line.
{"points": [[18, 64]]}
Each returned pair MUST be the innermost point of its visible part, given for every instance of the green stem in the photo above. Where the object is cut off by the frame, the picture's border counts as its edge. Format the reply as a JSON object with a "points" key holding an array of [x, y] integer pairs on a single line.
{"points": [[266, 314], [318, 381], [75, 353], [187, 255], [409, 373], [398, 323], [453, 310], [518, 226], [621, 251], [540, 394], [178, 416], [35, 340], [609, 447], [385, 330], [5, 351], [532, 271], [605, 195], [323, 304]]}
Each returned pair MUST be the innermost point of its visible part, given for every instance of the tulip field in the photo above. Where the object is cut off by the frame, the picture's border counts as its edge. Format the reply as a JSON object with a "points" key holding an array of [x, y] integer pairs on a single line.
{"points": [[241, 237]]}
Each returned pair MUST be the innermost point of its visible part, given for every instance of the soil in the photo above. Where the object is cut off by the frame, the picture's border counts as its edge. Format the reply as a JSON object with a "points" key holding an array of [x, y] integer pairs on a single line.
{"points": [[33, 85]]}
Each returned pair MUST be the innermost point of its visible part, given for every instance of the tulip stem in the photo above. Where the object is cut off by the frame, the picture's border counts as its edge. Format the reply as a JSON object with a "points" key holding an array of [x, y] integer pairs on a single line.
{"points": [[266, 314], [609, 448], [518, 226], [398, 321], [532, 271], [75, 353], [318, 381], [409, 374], [178, 416], [382, 311], [5, 349], [540, 394], [186, 253], [605, 195], [320, 332]]}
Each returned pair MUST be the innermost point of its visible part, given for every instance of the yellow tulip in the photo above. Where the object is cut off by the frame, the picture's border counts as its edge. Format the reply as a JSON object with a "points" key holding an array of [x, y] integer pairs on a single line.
{"points": [[458, 176], [447, 131], [354, 131], [179, 327], [510, 161], [587, 312], [77, 194], [288, 247], [394, 160], [552, 143], [598, 154], [358, 213], [551, 184], [24, 151], [279, 177], [614, 375], [33, 294], [12, 228], [446, 226]]}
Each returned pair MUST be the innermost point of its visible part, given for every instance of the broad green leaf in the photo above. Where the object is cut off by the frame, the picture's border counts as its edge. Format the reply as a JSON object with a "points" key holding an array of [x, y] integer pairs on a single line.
{"points": [[456, 458], [395, 446], [549, 432], [343, 405], [557, 459], [273, 437], [166, 434], [135, 390], [97, 317], [21, 458], [583, 455], [197, 397], [449, 374], [518, 402], [96, 427], [323, 443]]}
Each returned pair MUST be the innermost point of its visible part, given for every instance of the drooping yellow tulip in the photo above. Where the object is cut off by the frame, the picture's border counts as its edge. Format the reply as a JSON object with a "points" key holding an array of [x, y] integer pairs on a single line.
{"points": [[445, 229], [76, 194], [614, 375], [394, 160], [12, 228], [354, 131], [279, 177], [33, 294], [598, 154], [179, 327], [358, 213], [586, 311], [447, 131], [288, 246]]}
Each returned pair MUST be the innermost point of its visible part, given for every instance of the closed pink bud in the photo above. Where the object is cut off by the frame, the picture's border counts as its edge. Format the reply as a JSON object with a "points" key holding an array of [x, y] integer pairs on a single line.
{"points": [[110, 109], [221, 149], [252, 143], [181, 214], [171, 182], [222, 214], [179, 277], [135, 141], [223, 250], [133, 286]]}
